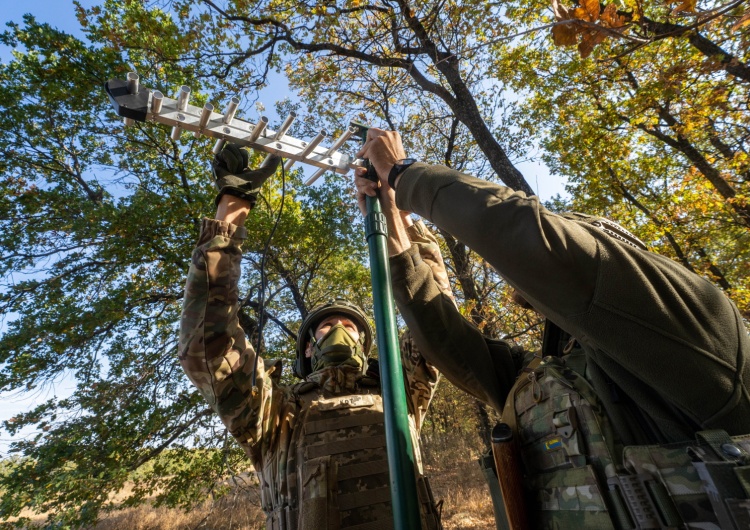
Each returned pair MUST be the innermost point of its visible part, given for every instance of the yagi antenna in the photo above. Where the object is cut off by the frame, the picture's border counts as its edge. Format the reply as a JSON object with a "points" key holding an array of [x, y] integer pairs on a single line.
{"points": [[136, 103]]}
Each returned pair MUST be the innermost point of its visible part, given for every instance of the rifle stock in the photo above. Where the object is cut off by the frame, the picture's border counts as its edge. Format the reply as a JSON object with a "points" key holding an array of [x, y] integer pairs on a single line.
{"points": [[506, 454]]}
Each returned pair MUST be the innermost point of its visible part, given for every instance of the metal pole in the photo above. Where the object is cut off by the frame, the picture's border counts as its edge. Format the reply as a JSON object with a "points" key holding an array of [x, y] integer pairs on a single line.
{"points": [[401, 466]]}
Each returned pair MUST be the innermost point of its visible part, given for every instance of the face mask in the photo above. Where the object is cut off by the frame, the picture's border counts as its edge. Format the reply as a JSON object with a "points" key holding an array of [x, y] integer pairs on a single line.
{"points": [[337, 348]]}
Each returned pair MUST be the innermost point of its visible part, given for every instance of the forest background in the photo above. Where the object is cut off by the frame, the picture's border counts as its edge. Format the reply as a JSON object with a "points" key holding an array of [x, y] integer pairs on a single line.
{"points": [[641, 107]]}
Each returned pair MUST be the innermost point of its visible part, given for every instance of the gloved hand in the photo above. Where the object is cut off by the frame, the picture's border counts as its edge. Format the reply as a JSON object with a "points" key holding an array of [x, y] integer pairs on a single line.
{"points": [[233, 177]]}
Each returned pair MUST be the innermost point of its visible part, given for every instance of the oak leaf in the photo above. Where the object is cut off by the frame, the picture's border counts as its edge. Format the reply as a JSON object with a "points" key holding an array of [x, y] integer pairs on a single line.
{"points": [[565, 34], [588, 11]]}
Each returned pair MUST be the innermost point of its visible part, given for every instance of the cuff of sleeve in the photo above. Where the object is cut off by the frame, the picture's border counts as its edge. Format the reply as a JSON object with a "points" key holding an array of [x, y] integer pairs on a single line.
{"points": [[211, 228], [406, 184], [418, 232]]}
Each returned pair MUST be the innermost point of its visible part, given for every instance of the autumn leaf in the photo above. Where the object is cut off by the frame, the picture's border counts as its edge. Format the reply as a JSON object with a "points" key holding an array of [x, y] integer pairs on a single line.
{"points": [[589, 11], [687, 6], [744, 21], [611, 19], [561, 12], [565, 34], [589, 41]]}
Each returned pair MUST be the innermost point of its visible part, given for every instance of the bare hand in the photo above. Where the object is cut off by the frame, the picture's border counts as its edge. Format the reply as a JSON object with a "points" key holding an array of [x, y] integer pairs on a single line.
{"points": [[369, 187], [383, 149]]}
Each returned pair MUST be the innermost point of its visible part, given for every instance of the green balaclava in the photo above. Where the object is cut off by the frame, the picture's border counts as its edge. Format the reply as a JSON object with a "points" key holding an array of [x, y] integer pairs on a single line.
{"points": [[337, 348]]}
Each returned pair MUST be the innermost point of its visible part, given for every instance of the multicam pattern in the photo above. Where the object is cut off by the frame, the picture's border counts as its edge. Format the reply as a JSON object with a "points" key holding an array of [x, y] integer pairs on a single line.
{"points": [[671, 466], [318, 446], [429, 250], [573, 465], [566, 443], [561, 422]]}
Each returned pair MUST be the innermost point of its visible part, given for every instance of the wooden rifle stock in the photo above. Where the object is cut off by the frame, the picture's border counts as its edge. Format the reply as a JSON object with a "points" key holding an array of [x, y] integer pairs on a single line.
{"points": [[507, 456]]}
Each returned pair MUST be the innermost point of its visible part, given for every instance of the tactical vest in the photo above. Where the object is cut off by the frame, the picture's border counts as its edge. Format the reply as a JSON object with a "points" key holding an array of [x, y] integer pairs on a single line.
{"points": [[337, 477], [578, 476]]}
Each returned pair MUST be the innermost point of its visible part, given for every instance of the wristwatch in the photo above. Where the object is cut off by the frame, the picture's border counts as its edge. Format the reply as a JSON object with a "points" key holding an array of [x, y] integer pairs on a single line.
{"points": [[398, 168]]}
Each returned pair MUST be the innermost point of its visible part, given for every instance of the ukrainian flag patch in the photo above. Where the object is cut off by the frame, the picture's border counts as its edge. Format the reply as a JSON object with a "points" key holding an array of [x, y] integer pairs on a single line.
{"points": [[554, 443]]}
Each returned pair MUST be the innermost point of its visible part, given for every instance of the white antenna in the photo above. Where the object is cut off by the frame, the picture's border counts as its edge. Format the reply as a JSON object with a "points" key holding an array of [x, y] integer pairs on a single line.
{"points": [[137, 103]]}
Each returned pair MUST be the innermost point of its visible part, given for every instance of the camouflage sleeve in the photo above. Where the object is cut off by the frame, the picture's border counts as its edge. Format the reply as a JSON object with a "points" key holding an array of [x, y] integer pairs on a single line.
{"points": [[429, 251], [421, 379], [213, 349]]}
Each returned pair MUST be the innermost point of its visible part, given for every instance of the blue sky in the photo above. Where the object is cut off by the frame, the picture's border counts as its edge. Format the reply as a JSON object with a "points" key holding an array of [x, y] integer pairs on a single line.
{"points": [[58, 13], [61, 14]]}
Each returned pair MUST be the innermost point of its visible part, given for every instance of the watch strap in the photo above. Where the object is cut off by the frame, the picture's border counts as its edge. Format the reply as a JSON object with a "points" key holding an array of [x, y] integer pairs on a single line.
{"points": [[399, 167]]}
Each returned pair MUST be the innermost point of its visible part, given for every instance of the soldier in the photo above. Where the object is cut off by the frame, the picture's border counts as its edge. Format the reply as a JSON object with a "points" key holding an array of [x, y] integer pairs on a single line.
{"points": [[318, 446], [638, 351]]}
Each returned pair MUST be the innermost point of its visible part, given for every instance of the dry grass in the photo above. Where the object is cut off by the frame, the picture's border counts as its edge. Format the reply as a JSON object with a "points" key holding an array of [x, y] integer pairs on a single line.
{"points": [[450, 463], [238, 510], [456, 479]]}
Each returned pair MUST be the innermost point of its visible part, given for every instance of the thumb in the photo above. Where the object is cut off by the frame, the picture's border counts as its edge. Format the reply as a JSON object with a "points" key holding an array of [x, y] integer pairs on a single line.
{"points": [[273, 163]]}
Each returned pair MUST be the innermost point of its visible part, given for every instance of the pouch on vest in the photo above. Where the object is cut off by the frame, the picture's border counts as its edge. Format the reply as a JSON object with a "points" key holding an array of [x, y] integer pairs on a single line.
{"points": [[318, 505], [566, 442], [708, 480]]}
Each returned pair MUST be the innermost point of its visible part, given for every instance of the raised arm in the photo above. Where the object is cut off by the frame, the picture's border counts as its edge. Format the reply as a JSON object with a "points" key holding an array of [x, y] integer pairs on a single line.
{"points": [[482, 367], [213, 350], [438, 333]]}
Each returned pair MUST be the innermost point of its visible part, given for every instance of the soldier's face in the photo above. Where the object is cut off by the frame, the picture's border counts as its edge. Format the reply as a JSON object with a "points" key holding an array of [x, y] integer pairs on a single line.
{"points": [[330, 321]]}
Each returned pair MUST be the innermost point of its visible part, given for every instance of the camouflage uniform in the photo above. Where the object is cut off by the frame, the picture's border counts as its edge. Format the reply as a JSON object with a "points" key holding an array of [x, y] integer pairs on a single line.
{"points": [[661, 356], [317, 446]]}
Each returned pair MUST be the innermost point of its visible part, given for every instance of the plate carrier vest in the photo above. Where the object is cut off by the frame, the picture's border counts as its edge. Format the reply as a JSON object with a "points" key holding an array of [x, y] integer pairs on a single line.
{"points": [[338, 476], [578, 476]]}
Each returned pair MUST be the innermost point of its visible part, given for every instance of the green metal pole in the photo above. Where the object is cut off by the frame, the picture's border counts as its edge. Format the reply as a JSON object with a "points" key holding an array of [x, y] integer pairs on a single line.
{"points": [[404, 499]]}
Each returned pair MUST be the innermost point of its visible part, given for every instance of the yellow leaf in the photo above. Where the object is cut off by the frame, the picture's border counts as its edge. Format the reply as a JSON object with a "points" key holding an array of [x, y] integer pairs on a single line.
{"points": [[687, 6], [744, 21]]}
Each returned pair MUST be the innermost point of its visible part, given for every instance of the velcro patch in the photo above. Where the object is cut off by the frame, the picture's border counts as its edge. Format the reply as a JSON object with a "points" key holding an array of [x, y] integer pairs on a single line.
{"points": [[342, 402], [552, 444]]}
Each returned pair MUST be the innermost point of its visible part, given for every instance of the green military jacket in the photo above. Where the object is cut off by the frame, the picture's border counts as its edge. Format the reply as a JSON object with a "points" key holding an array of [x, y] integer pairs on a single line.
{"points": [[275, 424], [668, 339]]}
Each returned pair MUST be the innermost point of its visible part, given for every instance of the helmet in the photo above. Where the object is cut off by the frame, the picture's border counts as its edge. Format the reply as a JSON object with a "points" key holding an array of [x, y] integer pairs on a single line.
{"points": [[339, 306]]}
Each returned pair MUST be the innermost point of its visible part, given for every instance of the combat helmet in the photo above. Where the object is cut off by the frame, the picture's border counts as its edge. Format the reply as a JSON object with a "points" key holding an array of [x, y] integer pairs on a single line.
{"points": [[303, 366]]}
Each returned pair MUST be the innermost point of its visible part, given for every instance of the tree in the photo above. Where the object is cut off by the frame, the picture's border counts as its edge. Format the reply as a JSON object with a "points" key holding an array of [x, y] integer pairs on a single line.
{"points": [[660, 146], [440, 72], [98, 222]]}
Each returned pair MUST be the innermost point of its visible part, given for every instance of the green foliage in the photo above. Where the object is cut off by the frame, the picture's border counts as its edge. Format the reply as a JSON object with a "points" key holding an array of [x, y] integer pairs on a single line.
{"points": [[660, 146], [97, 221], [98, 224]]}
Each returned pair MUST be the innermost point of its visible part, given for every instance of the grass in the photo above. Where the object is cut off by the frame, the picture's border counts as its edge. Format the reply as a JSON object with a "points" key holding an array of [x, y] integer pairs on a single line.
{"points": [[450, 463]]}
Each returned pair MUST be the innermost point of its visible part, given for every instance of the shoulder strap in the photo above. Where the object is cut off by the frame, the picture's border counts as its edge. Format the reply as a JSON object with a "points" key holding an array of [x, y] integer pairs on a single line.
{"points": [[509, 416]]}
